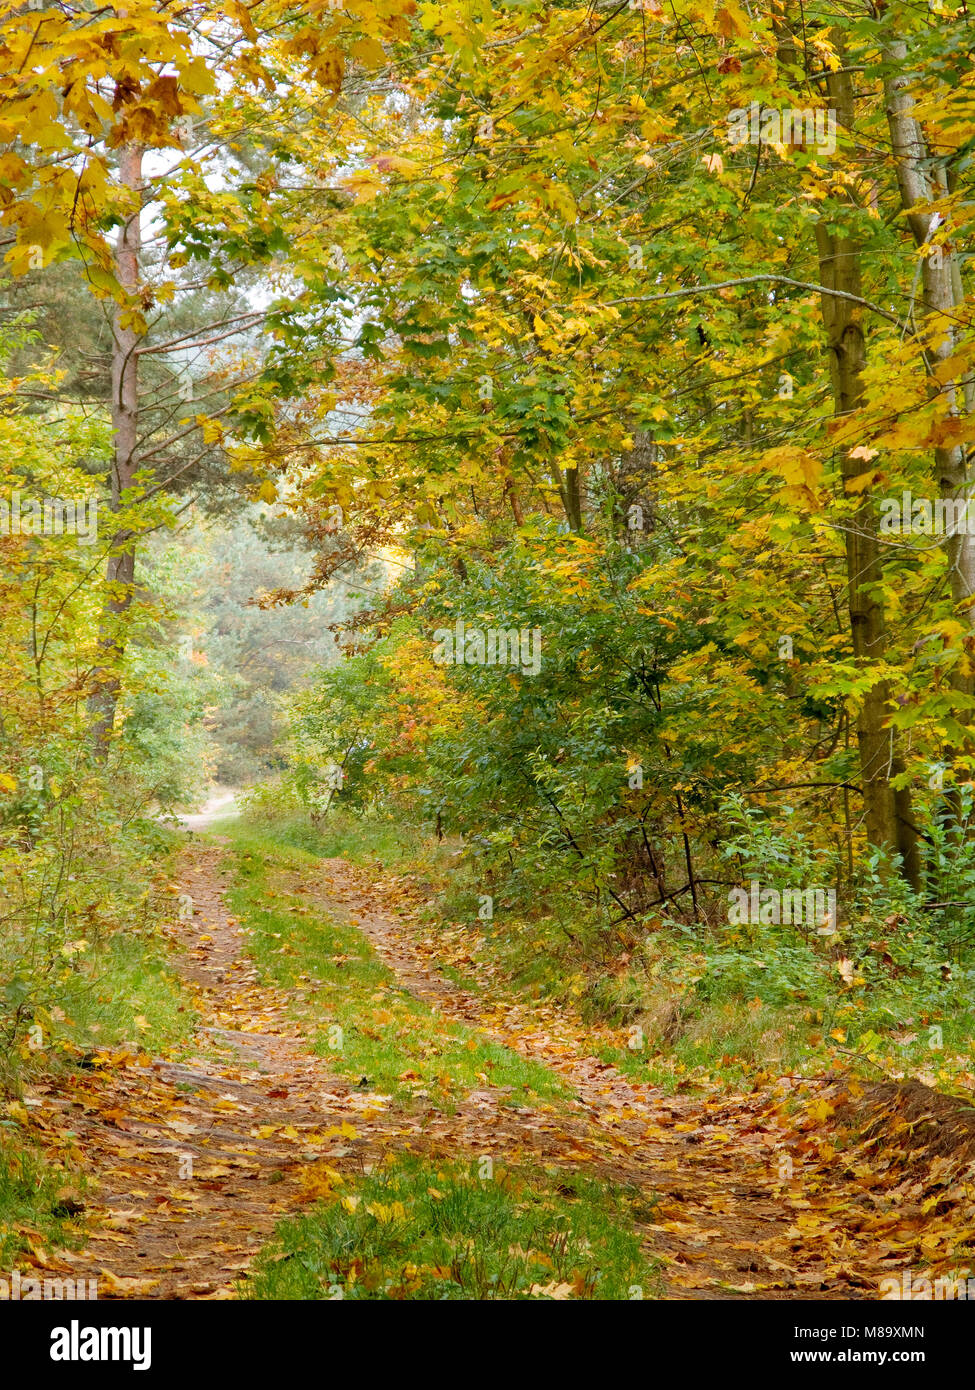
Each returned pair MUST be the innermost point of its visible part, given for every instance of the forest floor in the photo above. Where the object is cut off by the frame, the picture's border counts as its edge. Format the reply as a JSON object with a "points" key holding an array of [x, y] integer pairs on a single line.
{"points": [[191, 1162]]}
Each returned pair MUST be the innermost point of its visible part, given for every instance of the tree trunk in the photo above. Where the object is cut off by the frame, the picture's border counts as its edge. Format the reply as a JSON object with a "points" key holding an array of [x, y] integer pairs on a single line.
{"points": [[572, 498], [888, 819], [120, 571], [921, 183], [632, 486]]}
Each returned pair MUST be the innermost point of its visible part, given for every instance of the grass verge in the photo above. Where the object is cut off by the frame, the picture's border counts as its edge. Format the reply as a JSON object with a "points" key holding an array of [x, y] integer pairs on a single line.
{"points": [[690, 1007], [419, 1228], [39, 1200]]}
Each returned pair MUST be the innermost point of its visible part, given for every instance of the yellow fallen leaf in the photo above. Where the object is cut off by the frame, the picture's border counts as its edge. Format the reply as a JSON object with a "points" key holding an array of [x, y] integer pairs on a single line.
{"points": [[553, 1290], [346, 1130], [115, 1283], [385, 1214]]}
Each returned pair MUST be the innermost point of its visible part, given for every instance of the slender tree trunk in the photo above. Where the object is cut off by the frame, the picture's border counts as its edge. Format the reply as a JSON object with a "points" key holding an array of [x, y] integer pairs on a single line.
{"points": [[570, 494], [120, 572], [511, 492], [922, 183], [633, 484], [888, 818]]}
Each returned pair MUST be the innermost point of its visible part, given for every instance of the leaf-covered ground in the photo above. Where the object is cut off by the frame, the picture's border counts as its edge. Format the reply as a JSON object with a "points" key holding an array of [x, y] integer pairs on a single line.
{"points": [[348, 1122]]}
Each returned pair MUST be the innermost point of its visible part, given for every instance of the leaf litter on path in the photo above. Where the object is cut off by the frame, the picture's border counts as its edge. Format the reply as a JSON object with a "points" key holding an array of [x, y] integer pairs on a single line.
{"points": [[758, 1195]]}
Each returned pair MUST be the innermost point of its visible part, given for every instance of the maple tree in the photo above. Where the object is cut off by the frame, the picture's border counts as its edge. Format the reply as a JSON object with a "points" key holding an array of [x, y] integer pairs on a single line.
{"points": [[507, 307]]}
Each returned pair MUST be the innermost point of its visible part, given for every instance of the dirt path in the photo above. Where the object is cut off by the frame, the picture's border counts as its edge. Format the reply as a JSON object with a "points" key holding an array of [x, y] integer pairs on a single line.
{"points": [[196, 1162], [726, 1213], [221, 802], [191, 1174]]}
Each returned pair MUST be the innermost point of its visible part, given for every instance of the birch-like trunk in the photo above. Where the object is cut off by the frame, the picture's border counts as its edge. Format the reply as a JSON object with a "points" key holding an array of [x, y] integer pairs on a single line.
{"points": [[120, 572], [923, 184]]}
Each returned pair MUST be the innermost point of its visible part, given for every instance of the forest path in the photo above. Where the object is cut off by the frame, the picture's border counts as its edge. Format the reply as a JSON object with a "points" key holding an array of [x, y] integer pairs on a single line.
{"points": [[196, 1161], [192, 1170], [732, 1218], [221, 802]]}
